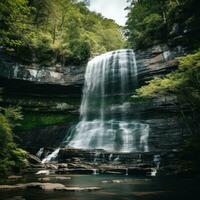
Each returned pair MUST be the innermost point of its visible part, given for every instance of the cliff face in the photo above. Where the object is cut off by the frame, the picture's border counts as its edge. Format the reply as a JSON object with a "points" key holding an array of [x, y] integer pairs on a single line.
{"points": [[157, 61], [167, 129], [58, 75], [50, 98]]}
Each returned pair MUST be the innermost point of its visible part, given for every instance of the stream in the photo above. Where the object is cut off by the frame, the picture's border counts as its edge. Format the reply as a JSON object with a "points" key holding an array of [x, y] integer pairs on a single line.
{"points": [[113, 187]]}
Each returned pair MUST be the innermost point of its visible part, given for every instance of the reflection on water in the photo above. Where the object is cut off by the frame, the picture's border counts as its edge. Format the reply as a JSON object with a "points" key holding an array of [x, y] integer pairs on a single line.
{"points": [[113, 188]]}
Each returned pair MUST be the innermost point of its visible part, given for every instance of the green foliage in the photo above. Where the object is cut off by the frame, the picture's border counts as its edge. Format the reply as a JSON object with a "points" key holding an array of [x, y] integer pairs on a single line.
{"points": [[5, 131], [12, 158], [13, 22], [34, 120], [55, 31], [153, 21], [183, 82]]}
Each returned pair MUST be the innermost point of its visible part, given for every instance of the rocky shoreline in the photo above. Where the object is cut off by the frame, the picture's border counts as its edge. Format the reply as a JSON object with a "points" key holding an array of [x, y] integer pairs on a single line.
{"points": [[77, 161], [56, 174]]}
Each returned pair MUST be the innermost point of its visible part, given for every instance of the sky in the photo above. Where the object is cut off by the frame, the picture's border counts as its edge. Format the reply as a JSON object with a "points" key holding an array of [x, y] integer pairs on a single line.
{"points": [[113, 9]]}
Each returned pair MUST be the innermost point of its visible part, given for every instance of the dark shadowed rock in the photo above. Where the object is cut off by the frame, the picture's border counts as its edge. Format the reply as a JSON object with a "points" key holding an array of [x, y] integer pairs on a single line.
{"points": [[139, 171], [75, 171]]}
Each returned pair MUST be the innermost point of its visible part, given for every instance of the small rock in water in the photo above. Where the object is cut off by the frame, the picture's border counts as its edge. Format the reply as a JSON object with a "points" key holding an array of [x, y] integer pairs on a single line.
{"points": [[113, 181], [62, 165], [81, 189], [44, 179], [116, 181], [14, 177], [43, 172], [105, 181], [46, 186], [62, 178]]}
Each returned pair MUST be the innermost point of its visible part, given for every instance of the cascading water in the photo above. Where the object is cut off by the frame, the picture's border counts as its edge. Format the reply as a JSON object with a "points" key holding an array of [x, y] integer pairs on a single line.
{"points": [[109, 80]]}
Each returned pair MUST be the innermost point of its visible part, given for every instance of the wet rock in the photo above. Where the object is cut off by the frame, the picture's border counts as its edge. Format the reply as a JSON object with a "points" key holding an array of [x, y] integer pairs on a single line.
{"points": [[139, 171], [105, 181], [12, 187], [32, 170], [117, 181], [47, 187], [15, 177], [75, 171], [58, 178], [62, 178], [44, 179], [80, 189], [77, 166], [36, 166], [33, 159], [114, 181], [43, 172], [51, 166], [62, 165], [76, 160], [114, 171]]}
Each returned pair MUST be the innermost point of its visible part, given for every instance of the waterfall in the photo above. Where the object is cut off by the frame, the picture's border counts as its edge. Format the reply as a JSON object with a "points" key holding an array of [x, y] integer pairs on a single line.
{"points": [[40, 152], [51, 156], [104, 120]]}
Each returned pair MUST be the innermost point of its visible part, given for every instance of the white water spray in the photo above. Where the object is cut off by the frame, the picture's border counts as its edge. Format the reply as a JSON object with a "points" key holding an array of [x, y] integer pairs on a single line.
{"points": [[105, 123]]}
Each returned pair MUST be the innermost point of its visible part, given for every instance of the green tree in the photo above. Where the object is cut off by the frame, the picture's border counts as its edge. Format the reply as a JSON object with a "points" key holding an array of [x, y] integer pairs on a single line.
{"points": [[156, 21], [12, 158], [47, 32], [13, 23]]}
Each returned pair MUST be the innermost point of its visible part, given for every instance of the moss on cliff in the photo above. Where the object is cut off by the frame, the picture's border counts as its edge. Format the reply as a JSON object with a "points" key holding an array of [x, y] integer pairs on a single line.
{"points": [[35, 119]]}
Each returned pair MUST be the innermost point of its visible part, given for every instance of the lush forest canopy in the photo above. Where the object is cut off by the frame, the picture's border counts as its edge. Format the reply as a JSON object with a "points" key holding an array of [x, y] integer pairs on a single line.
{"points": [[163, 21], [49, 31]]}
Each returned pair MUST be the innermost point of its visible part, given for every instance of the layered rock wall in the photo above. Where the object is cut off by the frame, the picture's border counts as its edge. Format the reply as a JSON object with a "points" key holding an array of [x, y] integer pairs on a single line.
{"points": [[58, 89]]}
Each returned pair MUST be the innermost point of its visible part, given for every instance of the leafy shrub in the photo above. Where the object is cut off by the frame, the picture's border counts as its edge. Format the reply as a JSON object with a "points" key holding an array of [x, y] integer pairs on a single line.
{"points": [[12, 158]]}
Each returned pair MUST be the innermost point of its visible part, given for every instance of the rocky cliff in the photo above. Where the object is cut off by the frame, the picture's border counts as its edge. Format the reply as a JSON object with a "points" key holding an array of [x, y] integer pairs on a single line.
{"points": [[50, 98]]}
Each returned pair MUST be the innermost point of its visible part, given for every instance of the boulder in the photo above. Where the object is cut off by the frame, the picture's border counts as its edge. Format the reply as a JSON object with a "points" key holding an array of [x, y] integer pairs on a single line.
{"points": [[62, 165], [33, 159], [47, 187]]}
